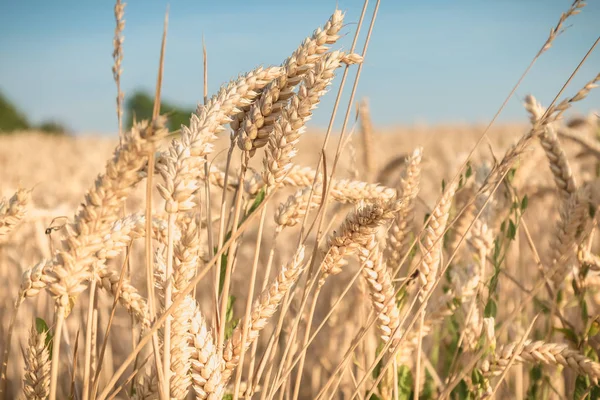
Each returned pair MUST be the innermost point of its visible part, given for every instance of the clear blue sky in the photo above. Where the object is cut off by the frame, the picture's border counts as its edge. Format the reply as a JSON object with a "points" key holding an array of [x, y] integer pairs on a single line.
{"points": [[434, 61]]}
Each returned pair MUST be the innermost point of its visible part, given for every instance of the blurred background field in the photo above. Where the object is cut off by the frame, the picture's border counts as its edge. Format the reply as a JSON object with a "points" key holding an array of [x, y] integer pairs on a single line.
{"points": [[435, 75]]}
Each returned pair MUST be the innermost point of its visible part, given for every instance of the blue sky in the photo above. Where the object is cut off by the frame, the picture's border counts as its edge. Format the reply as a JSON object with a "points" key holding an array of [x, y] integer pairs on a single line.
{"points": [[434, 61]]}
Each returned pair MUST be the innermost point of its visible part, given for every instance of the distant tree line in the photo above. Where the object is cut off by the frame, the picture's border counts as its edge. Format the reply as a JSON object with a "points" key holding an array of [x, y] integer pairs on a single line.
{"points": [[138, 106], [13, 120]]}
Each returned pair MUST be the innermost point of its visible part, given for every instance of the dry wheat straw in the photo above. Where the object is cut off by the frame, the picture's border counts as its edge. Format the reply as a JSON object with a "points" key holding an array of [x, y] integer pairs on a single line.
{"points": [[118, 59], [366, 134]]}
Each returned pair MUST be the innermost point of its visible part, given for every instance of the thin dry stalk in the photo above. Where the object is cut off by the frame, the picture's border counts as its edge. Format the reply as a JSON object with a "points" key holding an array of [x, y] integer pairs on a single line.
{"points": [[366, 134], [249, 303], [322, 159], [108, 327], [118, 59], [59, 316]]}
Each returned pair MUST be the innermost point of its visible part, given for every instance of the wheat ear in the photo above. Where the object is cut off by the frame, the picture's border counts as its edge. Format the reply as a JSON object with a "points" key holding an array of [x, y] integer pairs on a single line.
{"points": [[36, 382], [70, 269], [355, 232], [432, 242], [207, 365], [186, 258], [398, 235], [573, 219], [343, 191], [13, 211], [264, 308], [559, 164], [544, 353], [254, 126], [381, 289], [291, 124]]}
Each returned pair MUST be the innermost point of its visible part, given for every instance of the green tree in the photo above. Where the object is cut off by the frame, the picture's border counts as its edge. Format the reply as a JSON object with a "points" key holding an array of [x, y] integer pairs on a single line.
{"points": [[141, 104], [11, 119], [52, 127]]}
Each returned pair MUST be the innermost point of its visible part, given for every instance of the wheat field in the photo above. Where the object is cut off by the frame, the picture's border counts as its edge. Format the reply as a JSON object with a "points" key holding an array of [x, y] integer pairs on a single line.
{"points": [[250, 255]]}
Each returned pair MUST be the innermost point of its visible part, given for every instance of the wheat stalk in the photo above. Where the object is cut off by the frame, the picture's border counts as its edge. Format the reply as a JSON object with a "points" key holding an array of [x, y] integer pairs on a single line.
{"points": [[366, 133]]}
